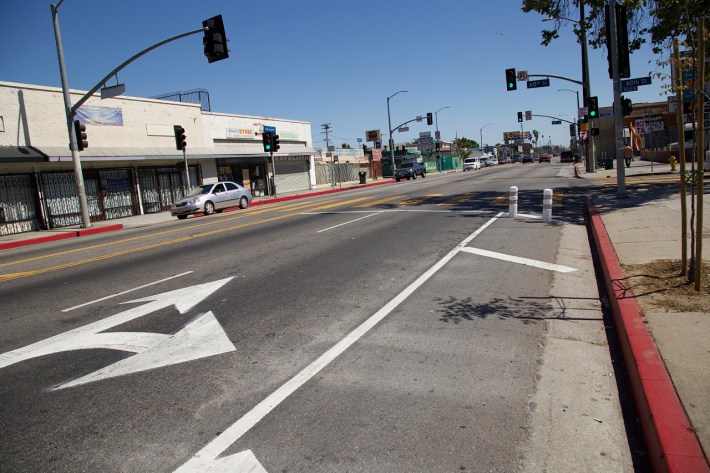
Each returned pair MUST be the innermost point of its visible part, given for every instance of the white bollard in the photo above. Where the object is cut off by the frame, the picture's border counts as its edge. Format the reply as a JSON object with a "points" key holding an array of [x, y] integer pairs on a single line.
{"points": [[513, 202], [547, 206]]}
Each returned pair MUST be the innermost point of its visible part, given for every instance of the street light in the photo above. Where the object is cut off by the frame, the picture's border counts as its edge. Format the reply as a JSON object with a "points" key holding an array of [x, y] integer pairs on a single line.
{"points": [[389, 124], [436, 122], [480, 131], [576, 135]]}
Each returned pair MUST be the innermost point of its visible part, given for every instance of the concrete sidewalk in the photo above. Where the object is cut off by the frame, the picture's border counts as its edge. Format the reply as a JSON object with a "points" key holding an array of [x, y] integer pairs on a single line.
{"points": [[667, 355]]}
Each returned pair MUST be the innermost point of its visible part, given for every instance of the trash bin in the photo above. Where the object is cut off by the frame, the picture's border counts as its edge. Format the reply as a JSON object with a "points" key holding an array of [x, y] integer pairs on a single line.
{"points": [[362, 175], [609, 164]]}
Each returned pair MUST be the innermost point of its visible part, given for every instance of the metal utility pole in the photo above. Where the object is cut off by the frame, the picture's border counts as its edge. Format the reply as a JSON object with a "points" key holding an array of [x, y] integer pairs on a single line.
{"points": [[700, 148], [591, 165], [436, 120], [480, 132], [78, 174], [327, 127], [618, 118]]}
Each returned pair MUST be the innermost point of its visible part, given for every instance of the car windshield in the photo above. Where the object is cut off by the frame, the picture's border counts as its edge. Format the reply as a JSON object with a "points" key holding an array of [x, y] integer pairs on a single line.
{"points": [[200, 190]]}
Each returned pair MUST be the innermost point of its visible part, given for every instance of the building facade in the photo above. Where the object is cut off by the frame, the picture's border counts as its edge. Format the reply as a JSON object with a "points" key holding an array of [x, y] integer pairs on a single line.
{"points": [[132, 165]]}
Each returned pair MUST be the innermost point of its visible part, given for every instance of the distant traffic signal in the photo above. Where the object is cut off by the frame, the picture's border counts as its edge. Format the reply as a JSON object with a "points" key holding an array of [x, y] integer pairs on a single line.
{"points": [[429, 118], [520, 117], [593, 107], [81, 137], [180, 138], [266, 141], [215, 39], [275, 143], [626, 106], [511, 79]]}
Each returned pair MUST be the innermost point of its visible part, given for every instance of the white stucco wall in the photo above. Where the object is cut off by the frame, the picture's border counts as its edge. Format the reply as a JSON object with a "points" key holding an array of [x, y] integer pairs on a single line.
{"points": [[34, 116]]}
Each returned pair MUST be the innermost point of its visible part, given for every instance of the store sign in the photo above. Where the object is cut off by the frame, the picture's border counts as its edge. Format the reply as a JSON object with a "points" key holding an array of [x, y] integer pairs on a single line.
{"points": [[240, 133], [373, 135]]}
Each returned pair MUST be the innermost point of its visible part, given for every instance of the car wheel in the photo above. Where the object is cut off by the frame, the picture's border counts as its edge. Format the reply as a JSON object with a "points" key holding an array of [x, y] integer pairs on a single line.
{"points": [[209, 208], [243, 202], [423, 175], [396, 179], [414, 176], [182, 217]]}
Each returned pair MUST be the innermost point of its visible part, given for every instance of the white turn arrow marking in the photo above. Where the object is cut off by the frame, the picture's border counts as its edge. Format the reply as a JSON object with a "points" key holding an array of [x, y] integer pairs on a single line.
{"points": [[201, 338], [242, 462]]}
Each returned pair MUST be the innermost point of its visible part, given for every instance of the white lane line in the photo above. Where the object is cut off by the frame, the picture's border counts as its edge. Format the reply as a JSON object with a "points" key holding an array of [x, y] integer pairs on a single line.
{"points": [[127, 291], [348, 222], [219, 444], [516, 259], [401, 210], [538, 217]]}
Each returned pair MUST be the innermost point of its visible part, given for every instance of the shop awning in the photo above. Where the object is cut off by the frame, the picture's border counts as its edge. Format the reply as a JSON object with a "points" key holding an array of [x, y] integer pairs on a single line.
{"points": [[60, 154], [21, 154]]}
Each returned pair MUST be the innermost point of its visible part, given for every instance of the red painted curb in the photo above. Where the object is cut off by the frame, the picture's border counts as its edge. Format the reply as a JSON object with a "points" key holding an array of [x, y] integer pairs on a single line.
{"points": [[60, 236], [672, 445]]}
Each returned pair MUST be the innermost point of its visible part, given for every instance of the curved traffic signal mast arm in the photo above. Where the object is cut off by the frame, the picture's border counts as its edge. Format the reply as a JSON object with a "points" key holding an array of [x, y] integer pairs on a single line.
{"points": [[93, 90]]}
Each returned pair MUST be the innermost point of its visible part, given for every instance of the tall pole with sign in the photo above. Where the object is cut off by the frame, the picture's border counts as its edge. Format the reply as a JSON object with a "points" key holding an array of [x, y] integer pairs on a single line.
{"points": [[618, 119]]}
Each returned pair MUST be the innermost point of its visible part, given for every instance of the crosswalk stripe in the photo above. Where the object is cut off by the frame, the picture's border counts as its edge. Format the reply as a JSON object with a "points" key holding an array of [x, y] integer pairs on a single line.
{"points": [[419, 200], [380, 201], [339, 204]]}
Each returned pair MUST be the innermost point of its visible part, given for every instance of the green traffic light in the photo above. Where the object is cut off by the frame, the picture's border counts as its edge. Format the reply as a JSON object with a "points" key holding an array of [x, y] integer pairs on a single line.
{"points": [[268, 147], [592, 114], [510, 86]]}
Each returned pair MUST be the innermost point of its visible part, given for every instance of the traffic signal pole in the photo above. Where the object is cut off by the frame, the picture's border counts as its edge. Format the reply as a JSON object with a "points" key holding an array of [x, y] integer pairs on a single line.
{"points": [[69, 115], [71, 110], [618, 119]]}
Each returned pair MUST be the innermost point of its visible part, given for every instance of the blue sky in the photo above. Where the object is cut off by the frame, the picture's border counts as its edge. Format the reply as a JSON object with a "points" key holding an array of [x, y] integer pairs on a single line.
{"points": [[324, 61]]}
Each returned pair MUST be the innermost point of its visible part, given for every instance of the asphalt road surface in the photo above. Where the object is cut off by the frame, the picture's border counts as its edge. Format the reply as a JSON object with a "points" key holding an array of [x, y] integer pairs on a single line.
{"points": [[394, 328]]}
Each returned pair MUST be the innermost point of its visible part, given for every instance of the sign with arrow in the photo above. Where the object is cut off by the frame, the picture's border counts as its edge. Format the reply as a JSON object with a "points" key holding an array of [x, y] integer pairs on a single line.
{"points": [[202, 337]]}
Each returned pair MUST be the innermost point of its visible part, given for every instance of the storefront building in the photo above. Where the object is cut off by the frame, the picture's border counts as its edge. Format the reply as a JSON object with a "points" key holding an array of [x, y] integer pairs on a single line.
{"points": [[132, 165]]}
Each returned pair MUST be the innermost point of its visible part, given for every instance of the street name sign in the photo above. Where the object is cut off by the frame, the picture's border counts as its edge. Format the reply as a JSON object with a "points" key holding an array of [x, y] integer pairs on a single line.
{"points": [[269, 129], [533, 84]]}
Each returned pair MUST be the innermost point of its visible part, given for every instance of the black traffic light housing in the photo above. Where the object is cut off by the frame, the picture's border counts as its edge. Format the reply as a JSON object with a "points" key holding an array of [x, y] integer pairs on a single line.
{"points": [[622, 41], [275, 143], [81, 137], [626, 106], [267, 142], [180, 138], [438, 146], [592, 107], [215, 39], [511, 80], [520, 117], [429, 118]]}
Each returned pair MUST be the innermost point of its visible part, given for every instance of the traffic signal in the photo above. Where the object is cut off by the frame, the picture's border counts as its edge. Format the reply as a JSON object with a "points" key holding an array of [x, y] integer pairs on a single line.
{"points": [[275, 143], [215, 39], [438, 146], [622, 41], [429, 118], [511, 79], [81, 137], [266, 140], [626, 106], [593, 107], [180, 138], [520, 117]]}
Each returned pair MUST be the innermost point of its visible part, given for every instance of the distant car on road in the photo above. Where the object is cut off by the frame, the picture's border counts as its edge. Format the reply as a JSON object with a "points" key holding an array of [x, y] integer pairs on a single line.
{"points": [[545, 158], [493, 161], [409, 171], [528, 159], [566, 157], [485, 161], [505, 160], [210, 198], [471, 164], [517, 158]]}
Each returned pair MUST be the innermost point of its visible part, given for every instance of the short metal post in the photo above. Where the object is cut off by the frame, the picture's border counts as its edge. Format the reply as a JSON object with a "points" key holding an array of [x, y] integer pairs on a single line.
{"points": [[513, 202], [547, 206]]}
